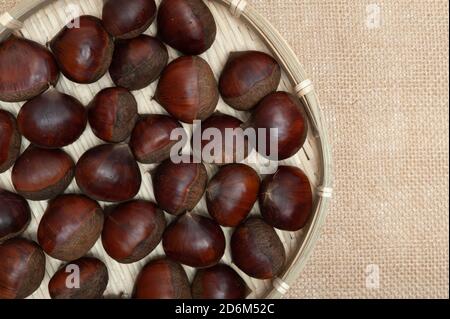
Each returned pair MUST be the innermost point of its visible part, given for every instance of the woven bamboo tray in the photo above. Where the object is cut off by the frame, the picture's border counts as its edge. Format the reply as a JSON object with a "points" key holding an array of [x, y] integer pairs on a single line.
{"points": [[239, 28]]}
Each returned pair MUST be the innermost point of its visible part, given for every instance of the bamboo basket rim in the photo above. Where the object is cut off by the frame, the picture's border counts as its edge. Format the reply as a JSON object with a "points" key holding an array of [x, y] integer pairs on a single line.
{"points": [[12, 21]]}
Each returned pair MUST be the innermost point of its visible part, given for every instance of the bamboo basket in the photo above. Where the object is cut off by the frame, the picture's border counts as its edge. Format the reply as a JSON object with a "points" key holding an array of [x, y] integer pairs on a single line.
{"points": [[239, 28]]}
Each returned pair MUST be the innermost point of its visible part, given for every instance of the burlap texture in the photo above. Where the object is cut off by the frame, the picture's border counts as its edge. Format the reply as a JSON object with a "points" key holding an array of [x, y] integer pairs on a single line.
{"points": [[384, 93]]}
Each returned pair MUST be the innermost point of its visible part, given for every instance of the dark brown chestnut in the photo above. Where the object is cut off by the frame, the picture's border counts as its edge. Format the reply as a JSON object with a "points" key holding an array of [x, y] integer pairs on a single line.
{"points": [[70, 226], [10, 140], [179, 187], [286, 199], [285, 113], [219, 150], [108, 173], [138, 62], [257, 250], [187, 89], [162, 279], [15, 215], [27, 69], [231, 194], [52, 119], [194, 240], [219, 282], [91, 283], [150, 140], [248, 76], [22, 268], [41, 174], [84, 52], [186, 25], [126, 19], [112, 114], [132, 230]]}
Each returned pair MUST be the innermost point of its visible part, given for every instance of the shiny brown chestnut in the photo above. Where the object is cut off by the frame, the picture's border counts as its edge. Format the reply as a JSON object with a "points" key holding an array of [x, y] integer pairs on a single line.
{"points": [[286, 200], [138, 62], [257, 250], [108, 173], [15, 215], [52, 119], [70, 226], [179, 187], [112, 114], [132, 230], [83, 53], [231, 194], [41, 174], [93, 279], [247, 77], [220, 151], [187, 89], [284, 112], [150, 141], [10, 140], [186, 25], [162, 279], [126, 19], [22, 268], [27, 69], [218, 282], [194, 240]]}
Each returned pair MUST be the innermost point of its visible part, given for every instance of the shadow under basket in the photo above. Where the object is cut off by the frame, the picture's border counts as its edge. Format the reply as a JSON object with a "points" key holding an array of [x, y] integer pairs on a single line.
{"points": [[240, 28]]}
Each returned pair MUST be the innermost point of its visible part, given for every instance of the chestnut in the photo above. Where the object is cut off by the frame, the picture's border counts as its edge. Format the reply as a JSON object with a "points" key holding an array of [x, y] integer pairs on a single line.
{"points": [[138, 62], [219, 282], [83, 53], [15, 215], [162, 279], [247, 77], [257, 250], [194, 240], [41, 174], [224, 124], [179, 187], [27, 69], [10, 140], [186, 25], [187, 89], [22, 268], [108, 173], [231, 194], [112, 114], [284, 112], [150, 140], [52, 119], [92, 282], [125, 19], [132, 230], [286, 199], [70, 226]]}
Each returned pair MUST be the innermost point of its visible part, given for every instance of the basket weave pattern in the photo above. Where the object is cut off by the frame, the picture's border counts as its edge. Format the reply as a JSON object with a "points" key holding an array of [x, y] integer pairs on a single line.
{"points": [[240, 28]]}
